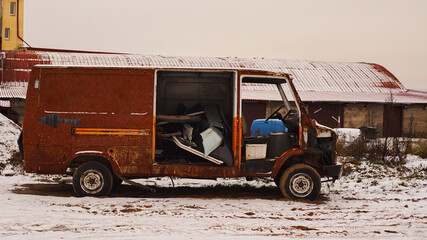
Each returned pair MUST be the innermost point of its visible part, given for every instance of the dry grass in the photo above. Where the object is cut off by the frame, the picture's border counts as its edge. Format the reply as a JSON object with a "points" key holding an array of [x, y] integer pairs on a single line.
{"points": [[420, 149], [388, 152]]}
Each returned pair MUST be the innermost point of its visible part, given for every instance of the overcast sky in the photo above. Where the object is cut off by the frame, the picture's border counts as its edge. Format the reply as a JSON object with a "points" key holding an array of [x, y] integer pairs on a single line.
{"points": [[392, 33]]}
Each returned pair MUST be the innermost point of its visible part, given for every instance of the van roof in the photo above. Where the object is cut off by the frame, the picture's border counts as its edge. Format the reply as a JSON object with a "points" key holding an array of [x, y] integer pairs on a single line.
{"points": [[275, 75]]}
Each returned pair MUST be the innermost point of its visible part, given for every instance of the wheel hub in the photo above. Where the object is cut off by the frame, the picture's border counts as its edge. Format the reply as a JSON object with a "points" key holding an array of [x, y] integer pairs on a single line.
{"points": [[301, 185], [92, 181]]}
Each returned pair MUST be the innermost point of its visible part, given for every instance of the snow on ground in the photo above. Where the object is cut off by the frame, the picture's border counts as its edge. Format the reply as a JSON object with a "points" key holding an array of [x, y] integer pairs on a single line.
{"points": [[9, 133], [41, 207], [372, 202], [348, 134]]}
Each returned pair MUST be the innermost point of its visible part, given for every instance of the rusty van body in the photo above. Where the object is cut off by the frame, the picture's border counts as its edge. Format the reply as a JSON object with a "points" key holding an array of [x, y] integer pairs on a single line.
{"points": [[108, 124]]}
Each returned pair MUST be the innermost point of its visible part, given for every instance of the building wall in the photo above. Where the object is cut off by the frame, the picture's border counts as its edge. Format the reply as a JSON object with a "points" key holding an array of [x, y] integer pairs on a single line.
{"points": [[357, 115], [11, 22], [272, 106], [418, 114]]}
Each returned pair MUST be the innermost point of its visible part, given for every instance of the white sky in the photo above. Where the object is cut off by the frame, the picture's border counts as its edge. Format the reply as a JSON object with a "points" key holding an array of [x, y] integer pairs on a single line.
{"points": [[392, 33]]}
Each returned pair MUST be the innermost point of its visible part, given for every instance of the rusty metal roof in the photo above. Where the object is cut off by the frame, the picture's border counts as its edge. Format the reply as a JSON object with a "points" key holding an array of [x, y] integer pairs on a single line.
{"points": [[313, 79]]}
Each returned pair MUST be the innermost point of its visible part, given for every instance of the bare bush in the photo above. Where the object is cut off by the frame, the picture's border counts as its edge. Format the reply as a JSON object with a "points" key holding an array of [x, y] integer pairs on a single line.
{"points": [[386, 151], [389, 151], [355, 149]]}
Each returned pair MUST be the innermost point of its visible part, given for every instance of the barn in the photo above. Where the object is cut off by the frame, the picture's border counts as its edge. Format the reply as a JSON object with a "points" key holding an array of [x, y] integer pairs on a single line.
{"points": [[350, 95]]}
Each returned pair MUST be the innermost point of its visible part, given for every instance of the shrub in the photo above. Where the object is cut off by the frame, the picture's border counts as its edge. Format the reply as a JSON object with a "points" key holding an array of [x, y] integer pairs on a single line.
{"points": [[389, 152], [355, 149], [420, 150]]}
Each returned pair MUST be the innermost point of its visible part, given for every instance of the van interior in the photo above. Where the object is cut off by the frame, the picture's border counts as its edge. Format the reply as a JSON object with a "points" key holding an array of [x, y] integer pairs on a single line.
{"points": [[194, 116]]}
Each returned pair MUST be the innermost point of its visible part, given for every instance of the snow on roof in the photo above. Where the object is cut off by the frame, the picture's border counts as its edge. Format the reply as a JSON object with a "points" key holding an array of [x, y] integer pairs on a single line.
{"points": [[340, 97], [315, 80], [12, 92], [5, 103], [308, 75]]}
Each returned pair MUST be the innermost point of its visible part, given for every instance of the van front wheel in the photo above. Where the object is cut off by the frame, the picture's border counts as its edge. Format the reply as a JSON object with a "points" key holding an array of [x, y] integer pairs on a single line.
{"points": [[92, 179], [300, 181]]}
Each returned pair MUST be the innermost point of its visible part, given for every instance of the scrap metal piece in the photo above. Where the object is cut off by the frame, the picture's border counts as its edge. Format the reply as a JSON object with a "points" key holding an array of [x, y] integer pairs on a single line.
{"points": [[213, 116], [223, 153], [178, 119], [195, 152], [166, 135], [212, 139], [187, 132]]}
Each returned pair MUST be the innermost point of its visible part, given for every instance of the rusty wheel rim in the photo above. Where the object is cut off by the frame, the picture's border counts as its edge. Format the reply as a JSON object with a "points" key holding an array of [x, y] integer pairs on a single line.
{"points": [[301, 185], [92, 181]]}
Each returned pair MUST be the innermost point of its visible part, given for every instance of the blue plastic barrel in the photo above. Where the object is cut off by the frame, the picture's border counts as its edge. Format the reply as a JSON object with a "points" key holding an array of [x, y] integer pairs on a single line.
{"points": [[260, 127]]}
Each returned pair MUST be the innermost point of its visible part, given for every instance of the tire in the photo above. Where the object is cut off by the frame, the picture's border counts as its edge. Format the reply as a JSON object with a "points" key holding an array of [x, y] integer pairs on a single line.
{"points": [[300, 181], [116, 180], [92, 179]]}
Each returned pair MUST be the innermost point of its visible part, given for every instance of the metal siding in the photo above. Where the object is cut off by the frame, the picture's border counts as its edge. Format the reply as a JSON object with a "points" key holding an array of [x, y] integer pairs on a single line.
{"points": [[13, 92]]}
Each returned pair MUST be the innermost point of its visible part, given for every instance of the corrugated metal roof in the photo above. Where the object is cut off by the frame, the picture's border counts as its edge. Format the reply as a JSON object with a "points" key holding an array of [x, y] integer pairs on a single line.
{"points": [[5, 103], [13, 92], [354, 97], [308, 75], [313, 79]]}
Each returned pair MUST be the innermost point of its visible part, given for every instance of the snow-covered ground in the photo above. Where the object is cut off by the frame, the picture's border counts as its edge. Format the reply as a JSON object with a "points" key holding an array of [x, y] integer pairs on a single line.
{"points": [[371, 202], [33, 207], [9, 133]]}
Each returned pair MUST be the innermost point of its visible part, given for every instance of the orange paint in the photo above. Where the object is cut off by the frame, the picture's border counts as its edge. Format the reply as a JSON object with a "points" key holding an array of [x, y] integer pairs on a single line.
{"points": [[105, 131]]}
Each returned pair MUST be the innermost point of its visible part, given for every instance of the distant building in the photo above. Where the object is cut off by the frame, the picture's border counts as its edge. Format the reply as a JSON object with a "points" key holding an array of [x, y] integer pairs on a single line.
{"points": [[336, 94], [12, 24]]}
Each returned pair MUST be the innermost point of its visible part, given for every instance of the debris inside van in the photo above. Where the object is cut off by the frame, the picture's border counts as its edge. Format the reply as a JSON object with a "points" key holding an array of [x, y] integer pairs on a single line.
{"points": [[211, 134]]}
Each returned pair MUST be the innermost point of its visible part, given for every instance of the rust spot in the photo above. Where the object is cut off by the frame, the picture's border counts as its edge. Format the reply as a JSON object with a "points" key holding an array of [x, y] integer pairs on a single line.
{"points": [[110, 151], [393, 84]]}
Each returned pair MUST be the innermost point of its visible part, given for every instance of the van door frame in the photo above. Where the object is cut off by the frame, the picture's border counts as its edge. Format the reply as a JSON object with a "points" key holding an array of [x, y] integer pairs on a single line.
{"points": [[202, 171]]}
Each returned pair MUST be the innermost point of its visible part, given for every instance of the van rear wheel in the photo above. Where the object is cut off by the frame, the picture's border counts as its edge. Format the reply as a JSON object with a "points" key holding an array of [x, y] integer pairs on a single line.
{"points": [[300, 181], [92, 179]]}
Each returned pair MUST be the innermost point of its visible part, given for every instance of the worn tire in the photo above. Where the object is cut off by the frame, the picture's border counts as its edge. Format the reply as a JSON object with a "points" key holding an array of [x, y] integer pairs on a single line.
{"points": [[116, 180], [300, 181], [92, 179]]}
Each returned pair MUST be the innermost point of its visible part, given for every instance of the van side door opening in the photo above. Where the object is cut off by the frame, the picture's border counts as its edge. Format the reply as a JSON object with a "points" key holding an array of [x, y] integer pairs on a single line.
{"points": [[271, 136], [194, 117]]}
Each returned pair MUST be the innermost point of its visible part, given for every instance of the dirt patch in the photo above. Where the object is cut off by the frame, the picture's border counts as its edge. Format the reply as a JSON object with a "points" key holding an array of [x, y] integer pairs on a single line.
{"points": [[130, 210], [44, 189], [303, 228]]}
